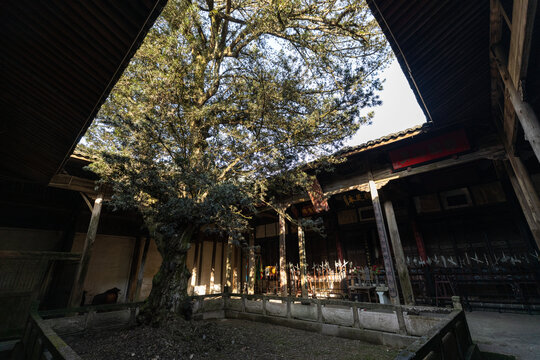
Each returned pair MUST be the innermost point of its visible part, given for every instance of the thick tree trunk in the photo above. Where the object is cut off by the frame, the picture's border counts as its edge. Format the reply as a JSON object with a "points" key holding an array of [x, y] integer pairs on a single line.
{"points": [[169, 296]]}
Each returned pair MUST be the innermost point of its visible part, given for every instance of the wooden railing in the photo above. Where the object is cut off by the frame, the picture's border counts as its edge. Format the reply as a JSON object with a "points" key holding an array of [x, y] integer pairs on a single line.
{"points": [[436, 334], [40, 341], [449, 340], [24, 279], [444, 332]]}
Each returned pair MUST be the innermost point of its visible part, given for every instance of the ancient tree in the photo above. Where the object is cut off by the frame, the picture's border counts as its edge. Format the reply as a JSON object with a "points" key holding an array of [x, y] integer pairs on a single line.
{"points": [[219, 106]]}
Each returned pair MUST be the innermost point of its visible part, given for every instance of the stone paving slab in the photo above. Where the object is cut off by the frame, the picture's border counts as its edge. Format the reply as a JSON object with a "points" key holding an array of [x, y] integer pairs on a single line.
{"points": [[506, 333]]}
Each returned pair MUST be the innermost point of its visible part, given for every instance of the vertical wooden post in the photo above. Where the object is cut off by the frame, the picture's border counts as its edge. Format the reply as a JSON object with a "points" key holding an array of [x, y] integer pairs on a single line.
{"points": [[282, 255], [524, 111], [419, 242], [222, 265], [526, 194], [82, 269], [303, 261], [241, 270], [236, 283], [140, 276], [228, 266], [213, 268], [339, 248], [385, 248], [403, 272], [194, 272], [251, 287], [199, 266], [133, 269]]}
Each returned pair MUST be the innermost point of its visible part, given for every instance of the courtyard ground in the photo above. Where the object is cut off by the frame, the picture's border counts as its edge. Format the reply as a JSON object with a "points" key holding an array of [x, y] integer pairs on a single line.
{"points": [[221, 339], [506, 333]]}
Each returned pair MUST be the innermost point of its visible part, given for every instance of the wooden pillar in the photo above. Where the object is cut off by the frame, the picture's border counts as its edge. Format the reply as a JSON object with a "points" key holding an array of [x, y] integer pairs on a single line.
{"points": [[526, 194], [133, 269], [199, 266], [385, 247], [236, 266], [524, 111], [213, 268], [140, 276], [339, 248], [419, 242], [223, 268], [194, 271], [403, 271], [282, 255], [251, 287], [228, 266], [303, 261], [82, 269]]}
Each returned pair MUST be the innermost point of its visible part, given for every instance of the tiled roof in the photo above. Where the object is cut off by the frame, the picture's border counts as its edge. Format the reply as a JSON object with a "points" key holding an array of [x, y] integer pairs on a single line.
{"points": [[385, 140]]}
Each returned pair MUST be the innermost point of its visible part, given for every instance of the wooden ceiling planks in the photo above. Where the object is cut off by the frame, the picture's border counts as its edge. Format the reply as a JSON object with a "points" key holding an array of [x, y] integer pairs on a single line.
{"points": [[59, 61], [445, 44]]}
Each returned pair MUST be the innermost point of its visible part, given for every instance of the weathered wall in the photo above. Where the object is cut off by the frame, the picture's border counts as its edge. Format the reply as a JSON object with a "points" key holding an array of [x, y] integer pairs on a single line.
{"points": [[109, 265], [200, 285]]}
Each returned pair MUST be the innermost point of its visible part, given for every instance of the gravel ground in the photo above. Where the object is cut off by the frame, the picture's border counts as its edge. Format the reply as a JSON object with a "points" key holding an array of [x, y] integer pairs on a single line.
{"points": [[220, 339]]}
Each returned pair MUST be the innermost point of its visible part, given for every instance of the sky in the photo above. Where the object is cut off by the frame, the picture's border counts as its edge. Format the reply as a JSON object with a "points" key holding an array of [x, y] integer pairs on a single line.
{"points": [[399, 109]]}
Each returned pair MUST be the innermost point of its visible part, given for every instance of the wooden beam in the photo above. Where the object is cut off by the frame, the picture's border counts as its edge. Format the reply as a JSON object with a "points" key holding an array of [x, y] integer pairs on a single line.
{"points": [[521, 28], [228, 266], [492, 151], [507, 126], [86, 200], [282, 255], [199, 266], [419, 241], [75, 183], [251, 265], [133, 269], [213, 268], [194, 271], [401, 265], [523, 110], [223, 268], [236, 285], [303, 261], [523, 14], [82, 269], [526, 194], [140, 275], [385, 247]]}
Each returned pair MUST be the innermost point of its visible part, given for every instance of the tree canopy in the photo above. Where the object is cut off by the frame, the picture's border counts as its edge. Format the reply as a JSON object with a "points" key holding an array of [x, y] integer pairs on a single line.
{"points": [[222, 99]]}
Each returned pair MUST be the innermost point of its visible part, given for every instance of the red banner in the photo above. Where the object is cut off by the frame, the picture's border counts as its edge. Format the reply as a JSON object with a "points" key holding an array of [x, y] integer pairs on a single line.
{"points": [[435, 148]]}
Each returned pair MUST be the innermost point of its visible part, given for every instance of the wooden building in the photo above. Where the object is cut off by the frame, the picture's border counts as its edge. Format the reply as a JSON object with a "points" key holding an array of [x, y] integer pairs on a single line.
{"points": [[448, 212], [447, 208], [58, 64], [468, 218]]}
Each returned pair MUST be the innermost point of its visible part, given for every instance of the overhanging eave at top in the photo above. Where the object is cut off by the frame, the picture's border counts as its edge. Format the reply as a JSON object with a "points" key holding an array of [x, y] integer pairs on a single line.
{"points": [[59, 61]]}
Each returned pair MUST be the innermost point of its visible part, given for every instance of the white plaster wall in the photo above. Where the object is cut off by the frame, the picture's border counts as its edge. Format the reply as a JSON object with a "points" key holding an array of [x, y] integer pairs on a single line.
{"points": [[206, 266], [218, 271], [109, 266]]}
